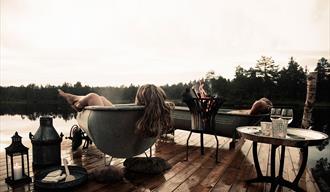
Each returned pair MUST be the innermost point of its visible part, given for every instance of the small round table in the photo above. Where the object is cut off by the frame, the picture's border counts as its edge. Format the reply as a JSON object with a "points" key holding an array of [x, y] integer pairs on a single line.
{"points": [[296, 137]]}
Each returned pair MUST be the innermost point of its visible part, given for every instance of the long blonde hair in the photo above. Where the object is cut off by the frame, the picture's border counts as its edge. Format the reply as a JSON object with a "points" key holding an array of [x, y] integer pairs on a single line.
{"points": [[156, 118]]}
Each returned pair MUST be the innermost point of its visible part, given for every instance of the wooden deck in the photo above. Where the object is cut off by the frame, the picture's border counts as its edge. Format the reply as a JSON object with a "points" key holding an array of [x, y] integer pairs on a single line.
{"points": [[199, 173]]}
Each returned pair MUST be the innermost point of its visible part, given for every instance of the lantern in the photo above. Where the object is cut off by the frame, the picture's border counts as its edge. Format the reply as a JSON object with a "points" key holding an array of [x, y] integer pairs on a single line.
{"points": [[46, 145], [17, 162]]}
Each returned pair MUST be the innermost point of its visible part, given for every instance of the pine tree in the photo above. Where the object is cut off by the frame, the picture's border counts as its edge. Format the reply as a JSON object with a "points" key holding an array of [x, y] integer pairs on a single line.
{"points": [[266, 68]]}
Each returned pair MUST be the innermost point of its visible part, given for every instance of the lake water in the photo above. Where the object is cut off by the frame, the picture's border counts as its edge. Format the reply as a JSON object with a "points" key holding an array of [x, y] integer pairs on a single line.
{"points": [[25, 119], [9, 124]]}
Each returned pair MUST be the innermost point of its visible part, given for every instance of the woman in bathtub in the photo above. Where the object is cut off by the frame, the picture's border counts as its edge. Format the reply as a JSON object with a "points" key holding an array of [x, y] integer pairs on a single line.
{"points": [[156, 117]]}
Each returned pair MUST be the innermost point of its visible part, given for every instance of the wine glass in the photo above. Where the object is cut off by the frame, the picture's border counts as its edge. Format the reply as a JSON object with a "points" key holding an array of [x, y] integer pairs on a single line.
{"points": [[275, 113], [287, 114]]}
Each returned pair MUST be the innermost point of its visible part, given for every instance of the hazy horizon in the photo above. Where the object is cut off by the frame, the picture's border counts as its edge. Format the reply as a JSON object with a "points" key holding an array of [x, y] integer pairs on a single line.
{"points": [[198, 76], [114, 43]]}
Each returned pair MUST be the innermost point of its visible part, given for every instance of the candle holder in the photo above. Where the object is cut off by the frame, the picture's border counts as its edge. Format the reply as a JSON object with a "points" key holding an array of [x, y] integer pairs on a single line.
{"points": [[17, 162]]}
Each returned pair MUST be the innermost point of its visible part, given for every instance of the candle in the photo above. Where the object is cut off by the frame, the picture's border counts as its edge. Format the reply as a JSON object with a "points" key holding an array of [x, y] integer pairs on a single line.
{"points": [[18, 172]]}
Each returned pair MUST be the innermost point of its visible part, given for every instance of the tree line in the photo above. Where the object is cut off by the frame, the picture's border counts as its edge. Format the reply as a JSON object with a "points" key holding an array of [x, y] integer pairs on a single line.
{"points": [[266, 79], [282, 86]]}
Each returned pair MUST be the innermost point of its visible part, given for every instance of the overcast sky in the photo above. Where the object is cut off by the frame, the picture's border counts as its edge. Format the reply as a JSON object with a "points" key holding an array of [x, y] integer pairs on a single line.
{"points": [[118, 42]]}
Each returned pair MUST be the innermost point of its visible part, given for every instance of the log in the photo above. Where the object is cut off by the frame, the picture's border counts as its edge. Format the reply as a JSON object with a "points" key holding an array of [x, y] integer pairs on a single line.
{"points": [[310, 100]]}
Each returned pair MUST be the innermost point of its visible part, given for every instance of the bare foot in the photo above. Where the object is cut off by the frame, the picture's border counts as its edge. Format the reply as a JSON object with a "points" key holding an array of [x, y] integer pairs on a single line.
{"points": [[61, 93], [72, 100], [68, 97]]}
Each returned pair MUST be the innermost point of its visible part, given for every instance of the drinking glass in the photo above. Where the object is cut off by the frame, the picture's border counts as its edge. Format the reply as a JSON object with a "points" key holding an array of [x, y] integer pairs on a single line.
{"points": [[279, 128], [287, 115], [275, 113], [266, 128]]}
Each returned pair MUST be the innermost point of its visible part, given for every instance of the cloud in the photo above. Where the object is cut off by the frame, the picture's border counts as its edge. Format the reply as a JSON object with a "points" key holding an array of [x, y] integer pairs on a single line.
{"points": [[93, 41]]}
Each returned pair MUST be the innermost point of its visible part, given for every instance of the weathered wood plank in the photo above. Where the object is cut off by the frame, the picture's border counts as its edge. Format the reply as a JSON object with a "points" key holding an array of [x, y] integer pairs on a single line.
{"points": [[175, 181], [200, 173], [244, 168], [192, 182], [263, 156], [215, 175], [305, 182], [193, 157]]}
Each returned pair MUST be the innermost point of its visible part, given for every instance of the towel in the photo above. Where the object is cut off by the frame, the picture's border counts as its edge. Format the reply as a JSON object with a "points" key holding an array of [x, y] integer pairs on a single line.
{"points": [[54, 176]]}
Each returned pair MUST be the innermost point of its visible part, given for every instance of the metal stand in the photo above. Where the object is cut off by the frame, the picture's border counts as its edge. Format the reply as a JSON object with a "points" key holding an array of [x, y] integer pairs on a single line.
{"points": [[84, 136], [150, 153], [202, 145], [187, 146], [278, 180], [203, 111], [87, 141]]}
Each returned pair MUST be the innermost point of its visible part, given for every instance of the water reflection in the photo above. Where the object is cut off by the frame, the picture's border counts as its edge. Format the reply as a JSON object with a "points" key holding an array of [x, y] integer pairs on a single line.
{"points": [[34, 111]]}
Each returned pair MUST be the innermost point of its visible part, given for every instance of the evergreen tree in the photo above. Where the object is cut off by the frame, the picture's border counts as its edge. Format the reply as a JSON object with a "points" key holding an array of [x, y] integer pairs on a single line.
{"points": [[292, 81], [268, 71], [322, 69], [221, 87], [266, 68], [323, 80]]}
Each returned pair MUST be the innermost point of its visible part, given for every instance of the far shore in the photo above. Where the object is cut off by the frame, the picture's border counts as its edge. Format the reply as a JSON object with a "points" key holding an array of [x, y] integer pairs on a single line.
{"points": [[242, 104]]}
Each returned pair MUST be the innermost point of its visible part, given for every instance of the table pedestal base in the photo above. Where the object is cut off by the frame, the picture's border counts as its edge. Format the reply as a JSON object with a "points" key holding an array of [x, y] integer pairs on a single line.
{"points": [[278, 180]]}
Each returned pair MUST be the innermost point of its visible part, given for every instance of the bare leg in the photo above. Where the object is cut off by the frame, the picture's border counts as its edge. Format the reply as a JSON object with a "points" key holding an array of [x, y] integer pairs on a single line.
{"points": [[106, 102], [70, 98], [79, 102], [91, 99]]}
